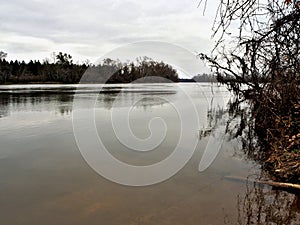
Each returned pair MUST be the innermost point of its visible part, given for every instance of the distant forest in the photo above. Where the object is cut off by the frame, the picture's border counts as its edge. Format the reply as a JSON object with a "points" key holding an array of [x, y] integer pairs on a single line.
{"points": [[205, 78], [61, 69]]}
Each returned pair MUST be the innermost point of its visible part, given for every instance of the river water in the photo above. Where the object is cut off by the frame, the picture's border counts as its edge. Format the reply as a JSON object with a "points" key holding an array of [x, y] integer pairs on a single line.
{"points": [[47, 176]]}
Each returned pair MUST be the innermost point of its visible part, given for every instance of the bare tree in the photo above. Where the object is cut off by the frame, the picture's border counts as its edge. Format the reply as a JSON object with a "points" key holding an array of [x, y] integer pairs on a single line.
{"points": [[3, 55], [263, 68]]}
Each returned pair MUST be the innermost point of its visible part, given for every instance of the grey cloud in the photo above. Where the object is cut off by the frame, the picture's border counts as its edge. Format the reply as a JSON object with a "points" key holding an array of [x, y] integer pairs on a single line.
{"points": [[90, 27]]}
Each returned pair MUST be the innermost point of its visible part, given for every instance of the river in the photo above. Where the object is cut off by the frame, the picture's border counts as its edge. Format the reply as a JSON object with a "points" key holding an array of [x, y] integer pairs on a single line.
{"points": [[48, 175]]}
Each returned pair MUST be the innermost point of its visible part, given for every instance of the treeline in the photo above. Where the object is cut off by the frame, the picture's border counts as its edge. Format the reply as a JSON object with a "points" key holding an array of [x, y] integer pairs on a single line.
{"points": [[204, 78], [144, 69], [63, 70]]}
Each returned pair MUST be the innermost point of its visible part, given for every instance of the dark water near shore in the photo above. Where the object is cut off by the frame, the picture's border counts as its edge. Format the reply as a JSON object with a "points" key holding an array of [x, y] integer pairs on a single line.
{"points": [[45, 180]]}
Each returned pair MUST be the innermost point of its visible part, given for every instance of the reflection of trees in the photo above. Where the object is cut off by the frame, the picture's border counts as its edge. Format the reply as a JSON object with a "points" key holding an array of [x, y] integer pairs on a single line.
{"points": [[262, 70], [215, 116], [61, 99], [129, 99], [148, 102], [4, 101], [107, 100], [36, 101], [65, 110], [264, 205]]}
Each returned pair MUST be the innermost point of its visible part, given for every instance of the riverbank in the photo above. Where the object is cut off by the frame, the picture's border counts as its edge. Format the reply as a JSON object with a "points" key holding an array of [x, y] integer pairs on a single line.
{"points": [[277, 127], [284, 163]]}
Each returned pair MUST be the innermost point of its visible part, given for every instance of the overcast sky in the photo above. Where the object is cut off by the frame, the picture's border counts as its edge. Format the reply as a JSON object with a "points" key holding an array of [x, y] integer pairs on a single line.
{"points": [[88, 29]]}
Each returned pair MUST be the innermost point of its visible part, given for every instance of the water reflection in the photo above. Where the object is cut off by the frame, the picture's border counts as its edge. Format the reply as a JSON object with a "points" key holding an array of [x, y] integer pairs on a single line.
{"points": [[258, 204], [217, 114], [60, 98], [11, 102], [4, 102], [262, 204], [44, 179]]}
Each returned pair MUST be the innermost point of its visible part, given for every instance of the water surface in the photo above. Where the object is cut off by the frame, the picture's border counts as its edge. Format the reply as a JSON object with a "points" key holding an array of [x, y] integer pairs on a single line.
{"points": [[45, 180]]}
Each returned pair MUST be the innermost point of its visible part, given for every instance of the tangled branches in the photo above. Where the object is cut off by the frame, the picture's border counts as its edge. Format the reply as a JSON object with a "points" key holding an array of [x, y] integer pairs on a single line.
{"points": [[263, 69]]}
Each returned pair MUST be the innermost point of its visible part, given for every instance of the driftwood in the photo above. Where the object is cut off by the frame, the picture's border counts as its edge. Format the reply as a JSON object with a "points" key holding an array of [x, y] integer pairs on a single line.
{"points": [[270, 183]]}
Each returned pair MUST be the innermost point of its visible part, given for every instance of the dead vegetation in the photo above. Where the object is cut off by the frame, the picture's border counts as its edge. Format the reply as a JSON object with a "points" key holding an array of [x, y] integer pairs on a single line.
{"points": [[263, 70]]}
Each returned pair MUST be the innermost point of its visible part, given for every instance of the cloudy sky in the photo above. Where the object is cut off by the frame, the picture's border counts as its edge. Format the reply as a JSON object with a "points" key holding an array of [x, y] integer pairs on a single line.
{"points": [[88, 29]]}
